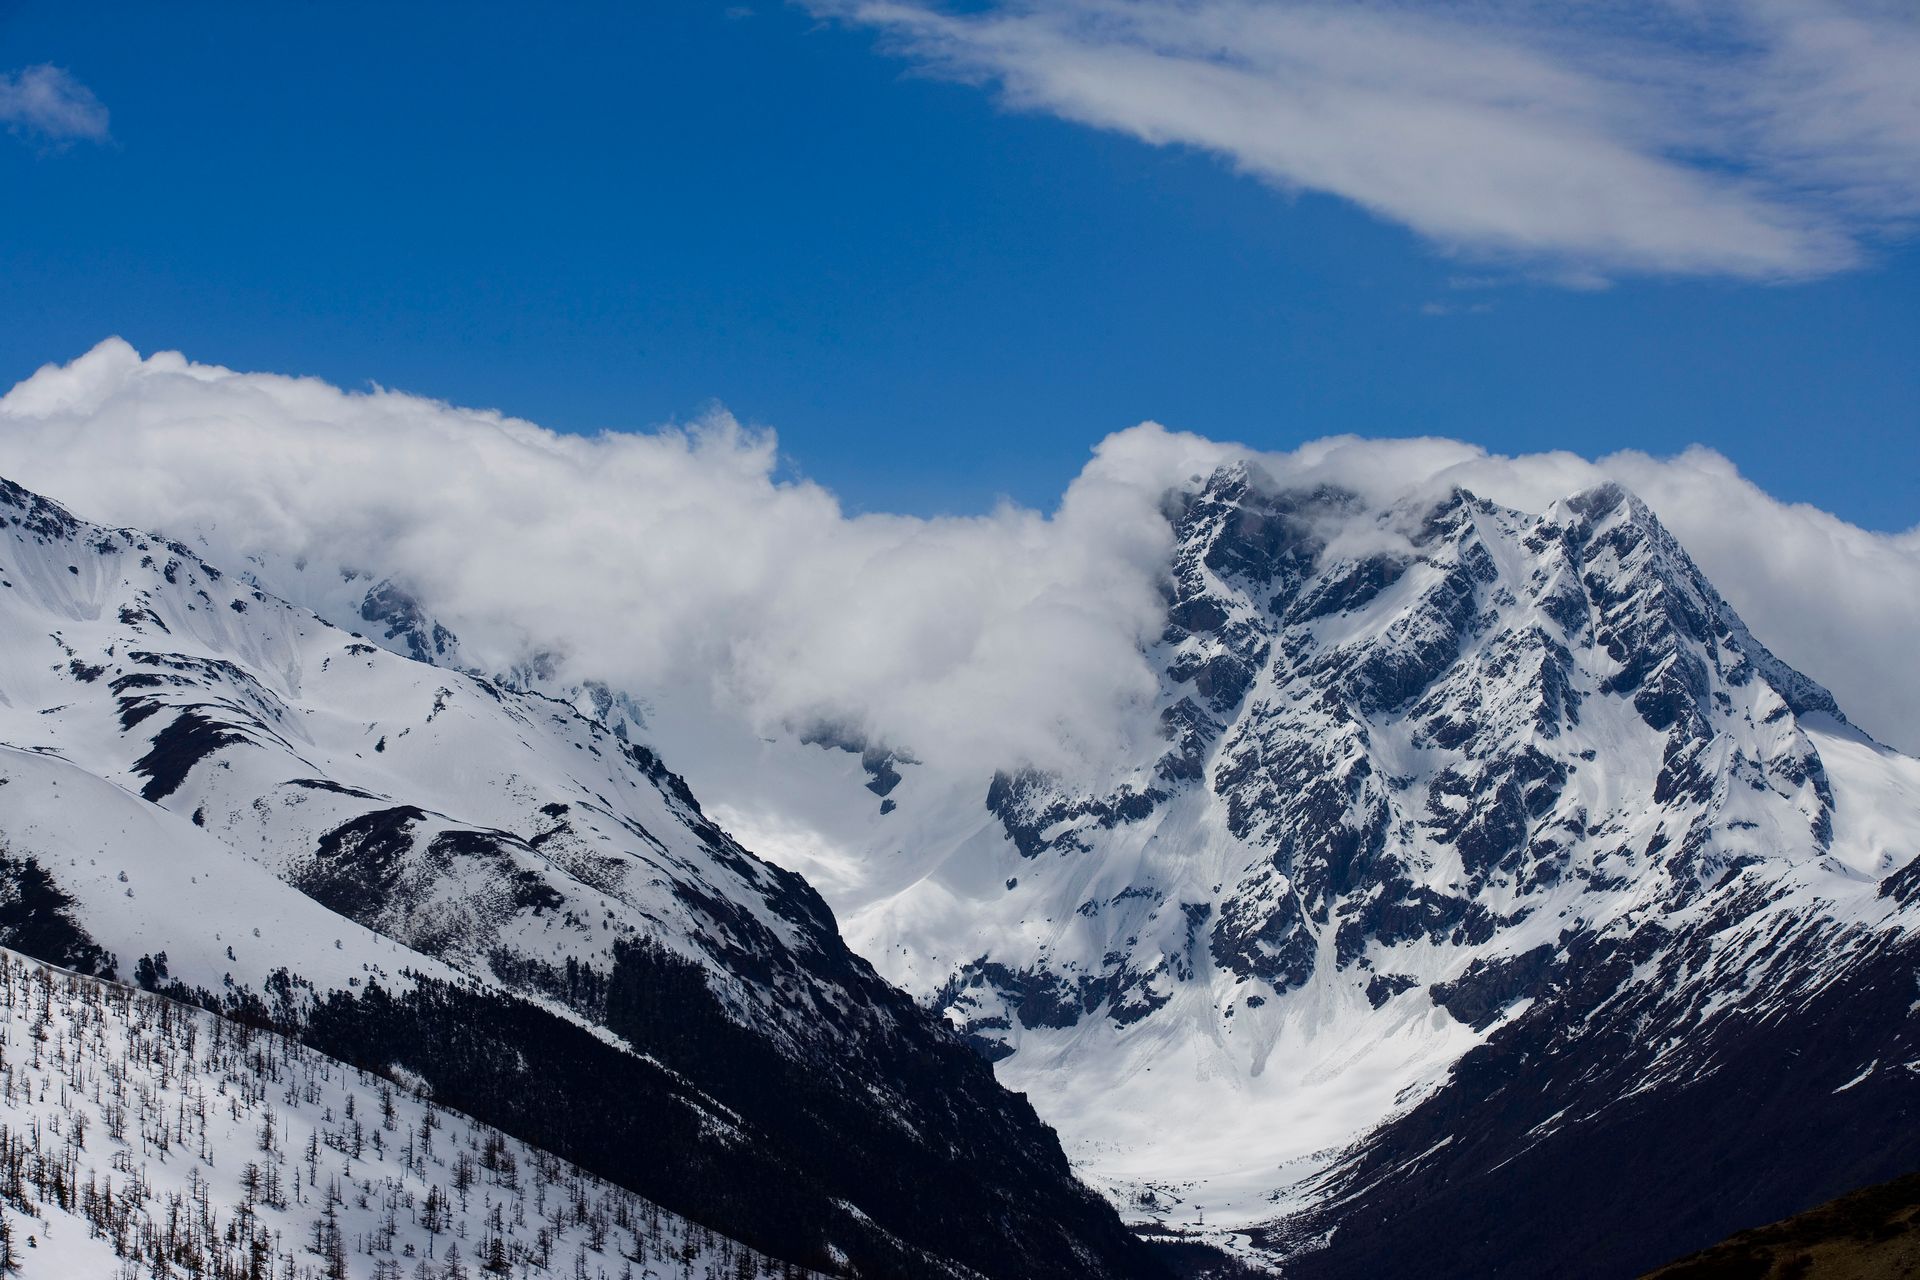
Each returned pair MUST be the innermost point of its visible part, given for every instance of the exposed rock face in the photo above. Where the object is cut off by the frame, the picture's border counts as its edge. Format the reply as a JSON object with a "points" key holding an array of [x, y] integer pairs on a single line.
{"points": [[1397, 720], [407, 628]]}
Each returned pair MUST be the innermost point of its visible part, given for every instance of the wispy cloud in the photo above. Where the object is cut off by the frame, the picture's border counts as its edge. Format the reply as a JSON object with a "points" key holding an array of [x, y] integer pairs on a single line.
{"points": [[1757, 139], [48, 105]]}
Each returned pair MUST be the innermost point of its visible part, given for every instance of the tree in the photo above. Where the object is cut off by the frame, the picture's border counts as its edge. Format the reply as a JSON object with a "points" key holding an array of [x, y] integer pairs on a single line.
{"points": [[36, 917], [151, 971], [250, 1183]]}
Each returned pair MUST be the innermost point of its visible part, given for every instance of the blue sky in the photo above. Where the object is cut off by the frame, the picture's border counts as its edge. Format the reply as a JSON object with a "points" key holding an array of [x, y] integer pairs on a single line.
{"points": [[939, 288]]}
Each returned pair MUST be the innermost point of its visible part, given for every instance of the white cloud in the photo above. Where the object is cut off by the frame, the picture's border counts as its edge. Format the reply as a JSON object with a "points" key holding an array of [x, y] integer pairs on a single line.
{"points": [[47, 103], [1760, 139], [677, 559], [664, 559]]}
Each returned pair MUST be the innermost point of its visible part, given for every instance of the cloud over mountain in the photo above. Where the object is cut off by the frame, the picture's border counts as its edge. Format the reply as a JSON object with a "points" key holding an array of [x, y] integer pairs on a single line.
{"points": [[681, 557]]}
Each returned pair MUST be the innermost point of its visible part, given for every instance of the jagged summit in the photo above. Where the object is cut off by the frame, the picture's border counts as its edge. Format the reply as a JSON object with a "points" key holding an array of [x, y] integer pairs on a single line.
{"points": [[1395, 720]]}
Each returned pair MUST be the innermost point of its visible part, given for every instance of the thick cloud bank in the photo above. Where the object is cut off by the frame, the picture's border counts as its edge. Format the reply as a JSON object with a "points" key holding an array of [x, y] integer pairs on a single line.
{"points": [[679, 558]]}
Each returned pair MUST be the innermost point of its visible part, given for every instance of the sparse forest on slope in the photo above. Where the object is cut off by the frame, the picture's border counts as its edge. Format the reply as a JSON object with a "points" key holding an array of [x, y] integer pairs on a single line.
{"points": [[143, 1138]]}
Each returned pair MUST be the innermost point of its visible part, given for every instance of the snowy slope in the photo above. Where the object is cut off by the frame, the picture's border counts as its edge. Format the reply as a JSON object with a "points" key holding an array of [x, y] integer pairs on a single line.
{"points": [[297, 824], [503, 822], [131, 1126], [156, 883]]}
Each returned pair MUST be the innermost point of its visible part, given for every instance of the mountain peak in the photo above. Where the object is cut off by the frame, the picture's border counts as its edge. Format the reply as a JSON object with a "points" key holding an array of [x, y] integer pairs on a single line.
{"points": [[1417, 757]]}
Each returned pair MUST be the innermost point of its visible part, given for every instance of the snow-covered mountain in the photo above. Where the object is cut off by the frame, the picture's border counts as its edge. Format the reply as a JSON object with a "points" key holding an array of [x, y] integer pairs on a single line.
{"points": [[1495, 837], [423, 873], [1486, 898]]}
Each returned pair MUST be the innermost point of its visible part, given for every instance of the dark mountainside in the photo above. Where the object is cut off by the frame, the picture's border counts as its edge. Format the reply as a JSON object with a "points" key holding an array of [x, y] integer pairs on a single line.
{"points": [[1872, 1234], [1764, 1118]]}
